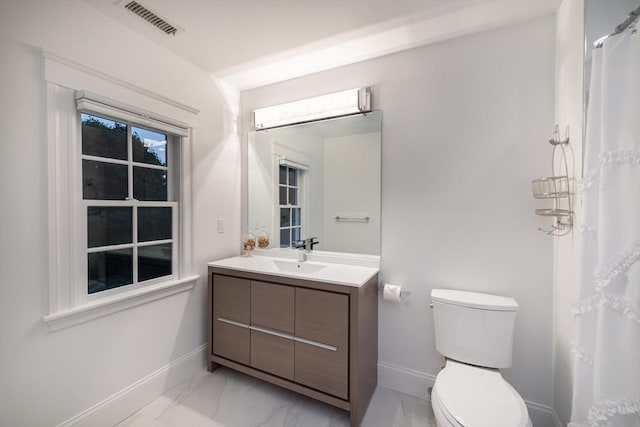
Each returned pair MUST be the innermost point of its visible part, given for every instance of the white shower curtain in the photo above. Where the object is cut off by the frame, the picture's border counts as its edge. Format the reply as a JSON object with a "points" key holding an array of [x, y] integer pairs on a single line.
{"points": [[606, 389]]}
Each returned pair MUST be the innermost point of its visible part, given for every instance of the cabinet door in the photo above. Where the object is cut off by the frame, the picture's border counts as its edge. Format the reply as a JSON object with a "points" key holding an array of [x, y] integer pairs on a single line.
{"points": [[231, 317], [272, 328], [322, 341]]}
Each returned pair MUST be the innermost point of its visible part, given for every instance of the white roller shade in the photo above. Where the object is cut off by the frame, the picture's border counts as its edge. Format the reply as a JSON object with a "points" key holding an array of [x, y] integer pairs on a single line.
{"points": [[86, 101], [293, 164]]}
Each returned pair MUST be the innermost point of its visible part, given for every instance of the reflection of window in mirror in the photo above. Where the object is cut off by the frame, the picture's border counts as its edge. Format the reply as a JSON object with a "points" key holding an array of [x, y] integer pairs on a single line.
{"points": [[290, 201]]}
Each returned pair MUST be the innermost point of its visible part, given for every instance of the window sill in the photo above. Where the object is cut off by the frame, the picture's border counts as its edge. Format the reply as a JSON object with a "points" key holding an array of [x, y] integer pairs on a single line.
{"points": [[105, 306]]}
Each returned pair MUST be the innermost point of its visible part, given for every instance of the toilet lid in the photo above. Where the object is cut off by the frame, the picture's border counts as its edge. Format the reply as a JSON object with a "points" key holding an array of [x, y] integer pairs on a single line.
{"points": [[479, 397]]}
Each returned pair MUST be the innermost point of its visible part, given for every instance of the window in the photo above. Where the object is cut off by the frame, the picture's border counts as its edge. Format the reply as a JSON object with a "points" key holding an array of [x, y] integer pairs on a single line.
{"points": [[119, 205], [289, 184], [130, 199]]}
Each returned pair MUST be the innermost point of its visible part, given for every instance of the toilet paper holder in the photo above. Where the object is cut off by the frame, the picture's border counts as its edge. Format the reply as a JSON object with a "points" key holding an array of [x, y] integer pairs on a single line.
{"points": [[403, 292]]}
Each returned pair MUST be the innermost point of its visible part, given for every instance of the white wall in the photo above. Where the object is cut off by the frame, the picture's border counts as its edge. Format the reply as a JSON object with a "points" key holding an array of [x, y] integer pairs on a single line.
{"points": [[260, 180], [352, 188], [47, 378], [464, 131], [568, 112]]}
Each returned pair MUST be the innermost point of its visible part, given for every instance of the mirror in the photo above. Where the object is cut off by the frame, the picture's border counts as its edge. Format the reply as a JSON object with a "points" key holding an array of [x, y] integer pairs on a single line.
{"points": [[319, 179]]}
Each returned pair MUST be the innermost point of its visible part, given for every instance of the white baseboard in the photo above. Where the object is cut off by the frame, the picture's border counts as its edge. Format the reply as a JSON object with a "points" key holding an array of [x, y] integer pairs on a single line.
{"points": [[556, 420], [407, 381], [541, 415], [130, 399], [416, 383]]}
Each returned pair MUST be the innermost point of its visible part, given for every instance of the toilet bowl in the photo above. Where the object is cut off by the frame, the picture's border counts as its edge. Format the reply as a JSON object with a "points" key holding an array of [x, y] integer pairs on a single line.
{"points": [[470, 396]]}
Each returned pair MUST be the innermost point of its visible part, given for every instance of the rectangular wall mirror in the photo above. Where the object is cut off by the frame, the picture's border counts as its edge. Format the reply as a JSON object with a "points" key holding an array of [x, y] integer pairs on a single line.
{"points": [[319, 179]]}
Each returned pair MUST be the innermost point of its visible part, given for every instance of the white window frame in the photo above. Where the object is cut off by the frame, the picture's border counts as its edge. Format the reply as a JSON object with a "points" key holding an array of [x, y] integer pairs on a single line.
{"points": [[299, 201], [69, 301], [285, 155]]}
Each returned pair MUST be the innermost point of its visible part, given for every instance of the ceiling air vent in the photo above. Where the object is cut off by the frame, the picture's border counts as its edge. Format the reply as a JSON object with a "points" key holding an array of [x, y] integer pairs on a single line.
{"points": [[151, 17]]}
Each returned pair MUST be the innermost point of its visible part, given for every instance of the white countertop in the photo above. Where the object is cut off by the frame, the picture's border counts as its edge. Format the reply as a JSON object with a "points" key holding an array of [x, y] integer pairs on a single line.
{"points": [[336, 273]]}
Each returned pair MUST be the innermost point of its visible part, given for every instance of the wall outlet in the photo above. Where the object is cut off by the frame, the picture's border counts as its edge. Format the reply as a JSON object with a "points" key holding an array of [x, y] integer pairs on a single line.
{"points": [[220, 225]]}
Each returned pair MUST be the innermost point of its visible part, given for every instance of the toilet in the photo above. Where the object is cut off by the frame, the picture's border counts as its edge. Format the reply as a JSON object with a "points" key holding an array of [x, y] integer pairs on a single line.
{"points": [[474, 332]]}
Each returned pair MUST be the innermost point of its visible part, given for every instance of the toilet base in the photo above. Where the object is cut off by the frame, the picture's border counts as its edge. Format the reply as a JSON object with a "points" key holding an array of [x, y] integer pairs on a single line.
{"points": [[477, 396]]}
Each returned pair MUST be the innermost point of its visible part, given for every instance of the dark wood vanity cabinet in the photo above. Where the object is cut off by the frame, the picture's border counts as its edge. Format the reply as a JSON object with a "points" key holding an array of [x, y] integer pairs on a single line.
{"points": [[311, 337]]}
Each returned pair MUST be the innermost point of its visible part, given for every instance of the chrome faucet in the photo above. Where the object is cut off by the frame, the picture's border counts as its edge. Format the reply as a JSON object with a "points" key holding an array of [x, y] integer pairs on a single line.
{"points": [[310, 243], [306, 244]]}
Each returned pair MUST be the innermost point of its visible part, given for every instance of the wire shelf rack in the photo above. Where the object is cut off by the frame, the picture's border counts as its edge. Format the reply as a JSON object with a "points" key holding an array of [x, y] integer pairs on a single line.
{"points": [[557, 188]]}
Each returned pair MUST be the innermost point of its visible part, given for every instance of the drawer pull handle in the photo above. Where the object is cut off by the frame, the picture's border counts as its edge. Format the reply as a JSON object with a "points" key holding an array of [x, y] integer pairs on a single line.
{"points": [[278, 334], [233, 322], [271, 332], [316, 344]]}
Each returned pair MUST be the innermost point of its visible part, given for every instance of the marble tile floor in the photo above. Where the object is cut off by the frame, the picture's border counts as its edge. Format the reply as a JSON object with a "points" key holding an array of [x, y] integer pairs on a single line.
{"points": [[226, 398]]}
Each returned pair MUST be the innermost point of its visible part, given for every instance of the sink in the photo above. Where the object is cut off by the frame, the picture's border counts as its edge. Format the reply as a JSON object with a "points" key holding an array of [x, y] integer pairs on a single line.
{"points": [[298, 267]]}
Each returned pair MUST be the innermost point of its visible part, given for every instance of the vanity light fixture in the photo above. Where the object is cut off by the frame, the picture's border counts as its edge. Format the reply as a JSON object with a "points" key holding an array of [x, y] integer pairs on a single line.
{"points": [[338, 104]]}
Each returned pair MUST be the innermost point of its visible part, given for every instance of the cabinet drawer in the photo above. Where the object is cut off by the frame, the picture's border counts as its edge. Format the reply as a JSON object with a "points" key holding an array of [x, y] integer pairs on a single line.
{"points": [[231, 341], [273, 354], [322, 317], [323, 369], [231, 299], [272, 306]]}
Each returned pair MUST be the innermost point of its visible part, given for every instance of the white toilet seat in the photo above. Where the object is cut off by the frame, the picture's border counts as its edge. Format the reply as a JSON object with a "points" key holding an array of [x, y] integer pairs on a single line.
{"points": [[442, 416], [470, 396]]}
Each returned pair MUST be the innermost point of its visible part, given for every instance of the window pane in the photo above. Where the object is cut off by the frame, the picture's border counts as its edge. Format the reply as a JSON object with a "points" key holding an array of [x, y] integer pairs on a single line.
{"points": [[149, 184], [103, 137], [154, 261], [285, 240], [109, 226], [285, 217], [293, 177], [110, 269], [104, 181], [293, 196], [154, 224], [295, 216], [283, 175], [149, 146], [283, 195], [296, 233]]}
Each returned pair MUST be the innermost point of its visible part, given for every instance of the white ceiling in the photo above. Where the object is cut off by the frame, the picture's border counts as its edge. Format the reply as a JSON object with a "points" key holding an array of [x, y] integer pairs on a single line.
{"points": [[250, 43]]}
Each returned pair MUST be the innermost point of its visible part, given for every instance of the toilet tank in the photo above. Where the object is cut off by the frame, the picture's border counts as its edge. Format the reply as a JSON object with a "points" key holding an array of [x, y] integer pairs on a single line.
{"points": [[473, 327]]}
